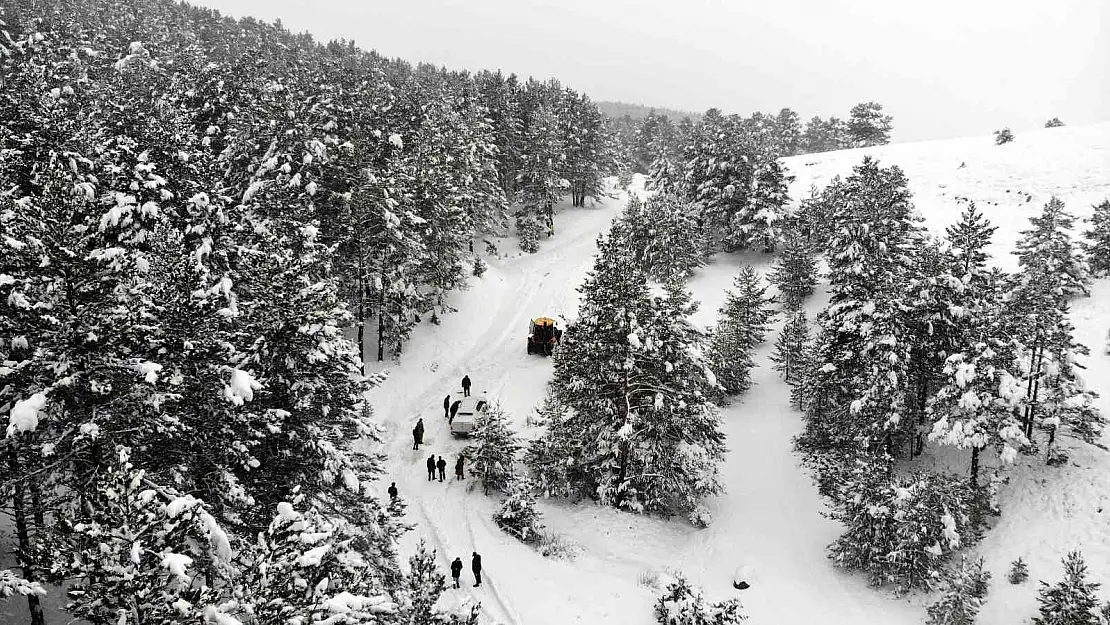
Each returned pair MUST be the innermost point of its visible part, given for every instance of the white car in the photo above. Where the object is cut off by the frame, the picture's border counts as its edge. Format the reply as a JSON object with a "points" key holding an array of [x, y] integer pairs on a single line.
{"points": [[466, 419]]}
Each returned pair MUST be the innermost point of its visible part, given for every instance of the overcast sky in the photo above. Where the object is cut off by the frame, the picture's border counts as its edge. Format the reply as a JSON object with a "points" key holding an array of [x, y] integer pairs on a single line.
{"points": [[942, 68]]}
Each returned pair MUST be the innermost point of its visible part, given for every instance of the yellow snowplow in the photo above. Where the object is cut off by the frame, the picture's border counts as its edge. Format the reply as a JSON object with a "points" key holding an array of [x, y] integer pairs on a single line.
{"points": [[543, 336]]}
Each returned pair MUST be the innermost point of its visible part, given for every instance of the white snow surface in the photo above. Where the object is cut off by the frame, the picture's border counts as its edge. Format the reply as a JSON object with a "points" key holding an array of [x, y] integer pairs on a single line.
{"points": [[769, 519]]}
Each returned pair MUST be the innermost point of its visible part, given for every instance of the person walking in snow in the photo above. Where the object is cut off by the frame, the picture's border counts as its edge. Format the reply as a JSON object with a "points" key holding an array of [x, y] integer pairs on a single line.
{"points": [[454, 411], [446, 406], [476, 568], [431, 467], [459, 468], [418, 434], [456, 571], [466, 385], [392, 491], [442, 466]]}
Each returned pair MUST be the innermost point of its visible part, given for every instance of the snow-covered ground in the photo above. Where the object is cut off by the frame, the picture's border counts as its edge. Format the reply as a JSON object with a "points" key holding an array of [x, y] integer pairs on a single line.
{"points": [[768, 526]]}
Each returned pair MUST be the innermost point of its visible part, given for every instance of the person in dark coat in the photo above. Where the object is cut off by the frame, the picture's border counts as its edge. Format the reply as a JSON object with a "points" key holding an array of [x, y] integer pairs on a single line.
{"points": [[418, 434], [431, 467], [442, 466], [392, 490], [459, 468], [476, 568], [446, 405], [466, 386], [456, 570], [454, 411]]}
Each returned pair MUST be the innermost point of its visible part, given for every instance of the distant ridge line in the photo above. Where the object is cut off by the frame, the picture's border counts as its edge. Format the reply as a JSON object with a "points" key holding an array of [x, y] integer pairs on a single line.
{"points": [[640, 111]]}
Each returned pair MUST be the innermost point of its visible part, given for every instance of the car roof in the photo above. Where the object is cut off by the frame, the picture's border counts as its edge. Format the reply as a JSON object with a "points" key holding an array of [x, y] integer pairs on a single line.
{"points": [[470, 404]]}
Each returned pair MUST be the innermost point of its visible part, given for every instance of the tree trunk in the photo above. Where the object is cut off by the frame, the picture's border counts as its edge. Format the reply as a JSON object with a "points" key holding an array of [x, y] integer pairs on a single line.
{"points": [[361, 321], [1051, 440], [974, 466], [34, 605], [1032, 388], [381, 327]]}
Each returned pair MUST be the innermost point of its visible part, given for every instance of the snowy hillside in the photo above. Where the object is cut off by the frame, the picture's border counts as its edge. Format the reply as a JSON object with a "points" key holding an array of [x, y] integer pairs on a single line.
{"points": [[768, 528]]}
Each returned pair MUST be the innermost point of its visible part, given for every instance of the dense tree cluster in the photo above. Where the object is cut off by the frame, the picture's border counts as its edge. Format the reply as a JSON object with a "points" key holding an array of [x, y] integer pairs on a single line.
{"points": [[194, 208], [922, 340]]}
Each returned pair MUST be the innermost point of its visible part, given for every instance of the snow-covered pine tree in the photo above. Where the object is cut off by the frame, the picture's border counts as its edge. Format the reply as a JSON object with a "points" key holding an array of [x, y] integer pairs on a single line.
{"points": [[791, 349], [1047, 252], [1072, 600], [134, 555], [862, 349], [1051, 272], [1053, 123], [900, 529], [742, 325], [1019, 572], [760, 227], [663, 235], [788, 130], [795, 270], [683, 604], [720, 173], [1097, 244], [977, 404], [587, 146], [492, 453], [539, 184], [517, 515], [868, 126], [639, 432], [385, 247], [306, 565], [963, 595], [665, 172]]}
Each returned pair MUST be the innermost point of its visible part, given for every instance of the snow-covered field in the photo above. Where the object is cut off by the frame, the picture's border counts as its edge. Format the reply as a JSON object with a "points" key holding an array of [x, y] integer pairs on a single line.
{"points": [[768, 526]]}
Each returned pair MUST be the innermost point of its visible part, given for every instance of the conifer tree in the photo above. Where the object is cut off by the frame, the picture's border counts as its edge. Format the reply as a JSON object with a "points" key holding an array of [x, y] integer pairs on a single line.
{"points": [[1070, 601], [1097, 244], [1046, 252], [639, 432], [663, 235], [538, 184], [493, 452], [795, 270], [518, 515], [862, 350], [899, 529], [720, 170], [683, 604], [868, 126], [790, 355], [742, 325], [963, 595], [763, 220], [136, 556]]}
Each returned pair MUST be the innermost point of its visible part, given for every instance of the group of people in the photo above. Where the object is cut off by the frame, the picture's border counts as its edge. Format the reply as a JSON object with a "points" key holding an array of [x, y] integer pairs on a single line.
{"points": [[449, 411], [441, 466], [475, 567]]}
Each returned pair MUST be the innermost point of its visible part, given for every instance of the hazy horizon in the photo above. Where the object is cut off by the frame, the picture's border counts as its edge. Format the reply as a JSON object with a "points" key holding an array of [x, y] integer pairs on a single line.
{"points": [[944, 70]]}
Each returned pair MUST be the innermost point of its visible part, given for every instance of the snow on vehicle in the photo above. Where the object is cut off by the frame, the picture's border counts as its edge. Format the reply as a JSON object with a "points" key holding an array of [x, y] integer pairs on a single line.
{"points": [[543, 336], [466, 419]]}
